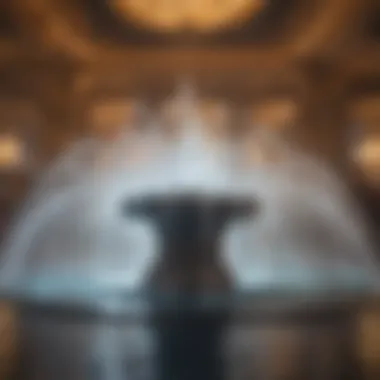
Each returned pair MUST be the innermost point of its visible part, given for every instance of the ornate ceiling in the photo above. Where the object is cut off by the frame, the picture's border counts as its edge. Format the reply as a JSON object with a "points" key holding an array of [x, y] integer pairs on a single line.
{"points": [[65, 56], [274, 46], [67, 53], [271, 47], [92, 30], [194, 16]]}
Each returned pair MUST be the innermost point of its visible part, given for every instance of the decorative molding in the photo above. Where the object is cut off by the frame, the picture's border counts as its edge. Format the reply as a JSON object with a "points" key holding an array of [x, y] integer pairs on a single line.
{"points": [[63, 27]]}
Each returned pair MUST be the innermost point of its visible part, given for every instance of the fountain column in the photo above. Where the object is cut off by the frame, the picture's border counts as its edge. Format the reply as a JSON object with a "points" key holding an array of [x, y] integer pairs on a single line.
{"points": [[188, 321]]}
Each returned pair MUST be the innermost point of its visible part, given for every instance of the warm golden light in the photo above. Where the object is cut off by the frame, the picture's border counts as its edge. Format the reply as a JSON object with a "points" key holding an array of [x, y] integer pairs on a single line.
{"points": [[369, 152], [367, 156], [275, 114], [187, 15], [110, 118], [11, 152]]}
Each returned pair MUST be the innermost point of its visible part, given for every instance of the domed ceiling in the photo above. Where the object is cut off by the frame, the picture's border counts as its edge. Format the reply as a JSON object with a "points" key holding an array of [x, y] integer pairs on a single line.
{"points": [[320, 53], [187, 16], [190, 22], [80, 24], [314, 58]]}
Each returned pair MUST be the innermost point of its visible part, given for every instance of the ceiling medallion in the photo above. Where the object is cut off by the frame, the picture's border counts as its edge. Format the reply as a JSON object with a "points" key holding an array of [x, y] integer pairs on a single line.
{"points": [[175, 16]]}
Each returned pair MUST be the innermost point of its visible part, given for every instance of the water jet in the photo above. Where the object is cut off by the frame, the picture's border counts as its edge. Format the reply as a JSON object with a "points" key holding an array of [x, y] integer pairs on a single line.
{"points": [[175, 259]]}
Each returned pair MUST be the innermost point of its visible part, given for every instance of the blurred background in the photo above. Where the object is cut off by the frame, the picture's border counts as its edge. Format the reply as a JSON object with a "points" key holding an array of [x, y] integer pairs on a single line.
{"points": [[307, 69]]}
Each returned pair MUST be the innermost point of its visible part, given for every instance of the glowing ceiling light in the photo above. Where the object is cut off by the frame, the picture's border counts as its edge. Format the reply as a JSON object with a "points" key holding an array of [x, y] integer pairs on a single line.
{"points": [[187, 15], [11, 152], [368, 153]]}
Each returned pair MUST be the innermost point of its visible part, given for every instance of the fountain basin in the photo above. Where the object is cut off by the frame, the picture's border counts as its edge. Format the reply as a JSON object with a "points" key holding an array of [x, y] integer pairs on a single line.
{"points": [[189, 320]]}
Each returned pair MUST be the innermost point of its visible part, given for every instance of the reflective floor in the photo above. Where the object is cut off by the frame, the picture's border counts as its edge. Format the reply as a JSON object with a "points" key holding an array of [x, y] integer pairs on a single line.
{"points": [[261, 351]]}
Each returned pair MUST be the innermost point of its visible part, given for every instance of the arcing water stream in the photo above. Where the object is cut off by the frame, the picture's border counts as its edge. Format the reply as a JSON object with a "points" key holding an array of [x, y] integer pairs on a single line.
{"points": [[70, 234]]}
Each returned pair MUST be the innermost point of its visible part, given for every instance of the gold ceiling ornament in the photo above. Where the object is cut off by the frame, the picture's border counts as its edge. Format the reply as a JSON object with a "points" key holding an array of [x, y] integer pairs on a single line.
{"points": [[187, 15]]}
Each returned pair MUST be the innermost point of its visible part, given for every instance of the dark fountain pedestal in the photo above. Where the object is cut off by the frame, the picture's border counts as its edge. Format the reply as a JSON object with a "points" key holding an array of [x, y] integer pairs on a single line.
{"points": [[188, 322]]}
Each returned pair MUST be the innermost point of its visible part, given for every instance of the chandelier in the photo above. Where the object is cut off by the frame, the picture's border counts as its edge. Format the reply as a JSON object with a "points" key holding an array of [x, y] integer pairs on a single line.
{"points": [[187, 15]]}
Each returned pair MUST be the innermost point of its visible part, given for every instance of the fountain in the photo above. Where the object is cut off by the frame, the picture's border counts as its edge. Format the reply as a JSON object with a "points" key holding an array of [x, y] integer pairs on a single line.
{"points": [[157, 258], [189, 326]]}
